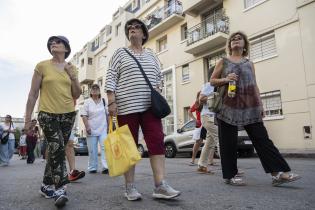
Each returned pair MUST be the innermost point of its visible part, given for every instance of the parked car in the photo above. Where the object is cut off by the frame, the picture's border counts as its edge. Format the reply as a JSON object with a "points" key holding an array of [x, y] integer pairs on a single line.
{"points": [[182, 142], [80, 146]]}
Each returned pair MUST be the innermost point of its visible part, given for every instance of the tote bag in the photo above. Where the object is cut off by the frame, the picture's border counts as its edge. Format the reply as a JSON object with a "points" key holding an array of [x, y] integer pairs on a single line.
{"points": [[120, 149]]}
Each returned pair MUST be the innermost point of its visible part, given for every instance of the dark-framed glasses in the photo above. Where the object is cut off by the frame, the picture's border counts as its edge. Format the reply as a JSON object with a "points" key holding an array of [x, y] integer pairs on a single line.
{"points": [[237, 38], [135, 26], [57, 41]]}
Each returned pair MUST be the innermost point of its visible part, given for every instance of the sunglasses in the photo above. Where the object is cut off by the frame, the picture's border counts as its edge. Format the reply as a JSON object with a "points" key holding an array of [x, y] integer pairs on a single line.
{"points": [[237, 38], [135, 26], [57, 41]]}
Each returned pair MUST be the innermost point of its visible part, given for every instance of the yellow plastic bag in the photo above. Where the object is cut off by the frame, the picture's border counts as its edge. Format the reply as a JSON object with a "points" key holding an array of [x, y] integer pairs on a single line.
{"points": [[120, 149]]}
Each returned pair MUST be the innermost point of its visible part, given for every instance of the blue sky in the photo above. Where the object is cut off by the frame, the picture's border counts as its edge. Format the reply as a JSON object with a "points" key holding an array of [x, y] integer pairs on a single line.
{"points": [[25, 27]]}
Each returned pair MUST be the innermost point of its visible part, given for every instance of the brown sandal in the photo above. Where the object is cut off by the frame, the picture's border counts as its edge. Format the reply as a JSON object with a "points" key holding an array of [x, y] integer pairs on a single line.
{"points": [[204, 170]]}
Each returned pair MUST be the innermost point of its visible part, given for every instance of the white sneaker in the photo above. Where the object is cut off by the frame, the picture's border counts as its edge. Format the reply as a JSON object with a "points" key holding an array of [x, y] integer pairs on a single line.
{"points": [[165, 191], [132, 193]]}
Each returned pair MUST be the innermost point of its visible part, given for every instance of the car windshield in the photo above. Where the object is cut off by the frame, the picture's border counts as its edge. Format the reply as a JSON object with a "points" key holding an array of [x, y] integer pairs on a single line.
{"points": [[189, 126]]}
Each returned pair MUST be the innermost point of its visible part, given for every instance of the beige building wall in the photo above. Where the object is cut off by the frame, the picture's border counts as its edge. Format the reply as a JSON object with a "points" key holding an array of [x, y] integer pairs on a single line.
{"points": [[290, 70]]}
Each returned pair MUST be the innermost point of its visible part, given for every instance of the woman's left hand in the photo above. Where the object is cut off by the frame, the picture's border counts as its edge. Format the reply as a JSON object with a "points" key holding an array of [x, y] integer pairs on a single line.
{"points": [[70, 69]]}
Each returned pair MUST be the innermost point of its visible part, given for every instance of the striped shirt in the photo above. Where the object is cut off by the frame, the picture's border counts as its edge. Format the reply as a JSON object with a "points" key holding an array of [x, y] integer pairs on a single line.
{"points": [[126, 80]]}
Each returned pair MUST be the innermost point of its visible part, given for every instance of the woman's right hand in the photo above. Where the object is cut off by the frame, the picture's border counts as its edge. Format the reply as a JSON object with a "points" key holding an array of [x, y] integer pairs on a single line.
{"points": [[232, 76], [27, 125], [112, 109], [88, 131]]}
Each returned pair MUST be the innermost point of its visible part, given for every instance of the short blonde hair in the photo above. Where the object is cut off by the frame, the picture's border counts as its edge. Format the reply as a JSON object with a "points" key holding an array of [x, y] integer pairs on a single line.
{"points": [[246, 45]]}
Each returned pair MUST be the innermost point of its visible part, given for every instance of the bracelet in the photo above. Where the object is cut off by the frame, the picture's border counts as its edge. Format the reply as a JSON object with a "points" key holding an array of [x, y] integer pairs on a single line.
{"points": [[111, 103]]}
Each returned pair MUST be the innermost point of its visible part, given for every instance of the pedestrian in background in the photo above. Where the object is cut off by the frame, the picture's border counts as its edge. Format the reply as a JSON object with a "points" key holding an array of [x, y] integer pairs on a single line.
{"points": [[23, 145], [196, 107], [129, 97], [207, 120], [245, 109], [31, 141], [57, 82], [74, 174], [7, 149], [95, 118]]}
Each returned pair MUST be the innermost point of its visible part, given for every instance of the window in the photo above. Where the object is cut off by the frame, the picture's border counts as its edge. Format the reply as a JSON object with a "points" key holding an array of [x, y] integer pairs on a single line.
{"points": [[162, 44], [101, 61], [108, 30], [183, 30], [90, 61], [185, 73], [82, 62], [263, 47], [189, 126], [212, 61], [186, 115], [100, 82], [117, 29], [250, 3], [145, 1], [95, 45], [272, 103]]}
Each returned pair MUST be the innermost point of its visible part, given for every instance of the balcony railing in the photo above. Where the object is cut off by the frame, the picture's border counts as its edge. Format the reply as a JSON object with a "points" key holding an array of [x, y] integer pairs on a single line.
{"points": [[157, 16], [86, 94], [217, 22]]}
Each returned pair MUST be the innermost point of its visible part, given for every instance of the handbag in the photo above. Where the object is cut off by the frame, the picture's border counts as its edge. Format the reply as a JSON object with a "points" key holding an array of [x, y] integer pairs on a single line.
{"points": [[120, 149], [215, 100], [5, 136], [159, 105]]}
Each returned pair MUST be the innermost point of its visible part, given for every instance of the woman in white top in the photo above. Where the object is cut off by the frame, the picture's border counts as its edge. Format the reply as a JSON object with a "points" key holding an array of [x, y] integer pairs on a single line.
{"points": [[95, 118], [7, 149]]}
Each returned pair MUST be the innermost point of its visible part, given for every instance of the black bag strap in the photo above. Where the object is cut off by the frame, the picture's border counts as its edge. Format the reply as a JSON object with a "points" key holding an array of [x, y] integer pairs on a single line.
{"points": [[141, 69]]}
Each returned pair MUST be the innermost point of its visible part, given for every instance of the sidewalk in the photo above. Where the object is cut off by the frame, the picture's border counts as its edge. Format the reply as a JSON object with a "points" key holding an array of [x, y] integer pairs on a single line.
{"points": [[298, 153]]}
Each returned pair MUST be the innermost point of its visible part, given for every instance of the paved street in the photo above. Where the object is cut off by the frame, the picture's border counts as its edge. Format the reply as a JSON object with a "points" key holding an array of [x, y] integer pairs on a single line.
{"points": [[19, 184]]}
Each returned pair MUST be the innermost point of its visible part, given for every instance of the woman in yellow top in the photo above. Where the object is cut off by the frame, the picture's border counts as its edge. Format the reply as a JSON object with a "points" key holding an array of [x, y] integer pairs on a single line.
{"points": [[57, 84]]}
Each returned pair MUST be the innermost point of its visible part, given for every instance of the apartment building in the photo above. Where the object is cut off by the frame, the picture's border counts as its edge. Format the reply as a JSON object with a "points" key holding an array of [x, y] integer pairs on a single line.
{"points": [[189, 38]]}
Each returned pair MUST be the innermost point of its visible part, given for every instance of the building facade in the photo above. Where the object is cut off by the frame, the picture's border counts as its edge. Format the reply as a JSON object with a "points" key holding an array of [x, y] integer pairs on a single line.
{"points": [[189, 37]]}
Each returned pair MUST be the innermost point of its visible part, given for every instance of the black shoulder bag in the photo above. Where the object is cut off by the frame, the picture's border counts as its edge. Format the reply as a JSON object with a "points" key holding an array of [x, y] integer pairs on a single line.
{"points": [[5, 136], [159, 105]]}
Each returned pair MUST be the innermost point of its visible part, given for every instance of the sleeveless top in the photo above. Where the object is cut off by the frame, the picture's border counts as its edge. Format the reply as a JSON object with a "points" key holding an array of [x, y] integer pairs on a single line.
{"points": [[245, 108]]}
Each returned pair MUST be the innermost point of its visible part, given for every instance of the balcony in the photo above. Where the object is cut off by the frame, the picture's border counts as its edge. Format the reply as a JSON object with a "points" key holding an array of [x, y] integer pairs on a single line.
{"points": [[86, 75], [195, 7], [86, 94], [164, 18], [209, 34]]}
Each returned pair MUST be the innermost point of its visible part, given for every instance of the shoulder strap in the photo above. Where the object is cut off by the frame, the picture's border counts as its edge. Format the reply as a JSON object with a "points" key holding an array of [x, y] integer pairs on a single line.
{"points": [[104, 103], [141, 69]]}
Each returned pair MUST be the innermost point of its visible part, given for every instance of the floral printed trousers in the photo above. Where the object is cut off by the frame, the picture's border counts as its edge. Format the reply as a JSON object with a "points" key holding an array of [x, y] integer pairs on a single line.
{"points": [[57, 129]]}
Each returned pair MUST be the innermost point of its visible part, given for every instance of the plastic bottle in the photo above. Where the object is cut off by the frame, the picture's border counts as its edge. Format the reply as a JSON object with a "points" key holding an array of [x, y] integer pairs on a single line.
{"points": [[232, 89]]}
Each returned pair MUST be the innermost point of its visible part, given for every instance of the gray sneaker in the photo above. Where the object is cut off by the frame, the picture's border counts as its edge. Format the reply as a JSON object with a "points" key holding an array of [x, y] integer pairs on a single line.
{"points": [[165, 191], [236, 181], [132, 193]]}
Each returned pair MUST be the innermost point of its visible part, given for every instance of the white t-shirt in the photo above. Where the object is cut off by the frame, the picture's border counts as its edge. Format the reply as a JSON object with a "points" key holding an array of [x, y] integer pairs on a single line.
{"points": [[23, 140], [6, 127], [206, 90], [96, 114]]}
